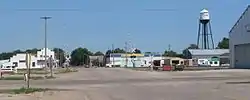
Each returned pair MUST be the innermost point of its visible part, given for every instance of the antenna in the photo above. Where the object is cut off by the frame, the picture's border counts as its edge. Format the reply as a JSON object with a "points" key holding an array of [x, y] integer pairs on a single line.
{"points": [[169, 47]]}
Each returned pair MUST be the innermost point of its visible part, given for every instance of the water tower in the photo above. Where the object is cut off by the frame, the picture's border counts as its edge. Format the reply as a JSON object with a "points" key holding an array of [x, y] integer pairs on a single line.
{"points": [[205, 38]]}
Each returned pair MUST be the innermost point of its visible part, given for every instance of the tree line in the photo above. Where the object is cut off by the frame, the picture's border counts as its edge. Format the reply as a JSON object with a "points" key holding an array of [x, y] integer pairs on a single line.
{"points": [[80, 56]]}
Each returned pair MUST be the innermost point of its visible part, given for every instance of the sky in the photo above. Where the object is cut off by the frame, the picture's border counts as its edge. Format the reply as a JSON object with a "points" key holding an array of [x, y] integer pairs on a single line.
{"points": [[150, 25]]}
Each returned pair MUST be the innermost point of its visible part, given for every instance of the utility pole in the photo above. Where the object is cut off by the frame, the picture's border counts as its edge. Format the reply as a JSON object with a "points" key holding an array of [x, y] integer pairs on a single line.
{"points": [[45, 18], [58, 54], [126, 49], [27, 75], [169, 51], [113, 55], [169, 47], [151, 57]]}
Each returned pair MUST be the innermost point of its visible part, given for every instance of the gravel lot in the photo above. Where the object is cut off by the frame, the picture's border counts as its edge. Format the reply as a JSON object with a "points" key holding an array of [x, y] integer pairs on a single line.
{"points": [[126, 84]]}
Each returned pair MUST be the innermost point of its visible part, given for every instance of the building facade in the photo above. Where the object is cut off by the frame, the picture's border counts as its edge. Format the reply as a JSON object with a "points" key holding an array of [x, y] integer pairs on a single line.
{"points": [[131, 60], [18, 61], [40, 57], [239, 41], [208, 57]]}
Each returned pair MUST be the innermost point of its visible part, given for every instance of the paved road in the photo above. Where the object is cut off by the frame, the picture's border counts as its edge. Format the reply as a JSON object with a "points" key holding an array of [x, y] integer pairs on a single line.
{"points": [[125, 84]]}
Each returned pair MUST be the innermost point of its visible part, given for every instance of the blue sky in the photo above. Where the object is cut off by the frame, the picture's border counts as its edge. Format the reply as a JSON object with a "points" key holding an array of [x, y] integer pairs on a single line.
{"points": [[97, 24]]}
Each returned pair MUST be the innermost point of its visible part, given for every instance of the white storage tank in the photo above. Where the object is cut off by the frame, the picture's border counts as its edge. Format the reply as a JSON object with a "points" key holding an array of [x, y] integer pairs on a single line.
{"points": [[204, 15]]}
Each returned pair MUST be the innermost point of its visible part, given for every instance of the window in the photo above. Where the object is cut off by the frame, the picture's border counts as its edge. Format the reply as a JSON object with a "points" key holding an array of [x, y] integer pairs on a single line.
{"points": [[132, 56], [22, 61], [33, 64], [215, 62], [15, 64], [41, 55]]}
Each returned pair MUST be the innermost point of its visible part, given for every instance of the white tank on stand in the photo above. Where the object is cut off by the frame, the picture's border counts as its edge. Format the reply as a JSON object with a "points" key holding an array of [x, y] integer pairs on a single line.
{"points": [[204, 15]]}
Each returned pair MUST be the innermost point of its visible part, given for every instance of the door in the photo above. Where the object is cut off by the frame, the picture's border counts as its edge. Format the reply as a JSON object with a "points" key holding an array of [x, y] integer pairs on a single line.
{"points": [[242, 56]]}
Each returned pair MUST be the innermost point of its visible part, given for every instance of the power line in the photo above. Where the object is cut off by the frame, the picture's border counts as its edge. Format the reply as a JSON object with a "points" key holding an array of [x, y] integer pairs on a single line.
{"points": [[79, 10], [160, 9]]}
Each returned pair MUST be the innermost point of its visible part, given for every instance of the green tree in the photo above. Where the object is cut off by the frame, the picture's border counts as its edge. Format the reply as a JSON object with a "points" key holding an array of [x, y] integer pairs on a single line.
{"points": [[147, 52], [17, 51], [137, 51], [223, 44], [59, 55], [80, 56], [170, 53], [7, 55], [193, 46], [118, 50], [98, 53], [186, 54], [108, 52], [32, 51]]}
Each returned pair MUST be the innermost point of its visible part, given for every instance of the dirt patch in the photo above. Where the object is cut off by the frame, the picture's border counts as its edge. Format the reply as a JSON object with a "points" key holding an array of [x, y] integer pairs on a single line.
{"points": [[48, 95]]}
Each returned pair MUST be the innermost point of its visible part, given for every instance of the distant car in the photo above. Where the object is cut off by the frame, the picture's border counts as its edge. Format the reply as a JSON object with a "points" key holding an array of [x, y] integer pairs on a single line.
{"points": [[86, 66], [108, 65]]}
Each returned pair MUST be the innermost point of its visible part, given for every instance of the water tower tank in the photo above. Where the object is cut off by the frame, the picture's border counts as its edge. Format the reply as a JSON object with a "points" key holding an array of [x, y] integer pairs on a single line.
{"points": [[204, 15]]}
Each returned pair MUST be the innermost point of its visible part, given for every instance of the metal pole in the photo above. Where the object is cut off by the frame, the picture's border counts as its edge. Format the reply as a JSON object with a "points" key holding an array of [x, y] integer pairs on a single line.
{"points": [[211, 35], [151, 67], [58, 52], [113, 55], [205, 35], [27, 75], [45, 18], [198, 40], [126, 48]]}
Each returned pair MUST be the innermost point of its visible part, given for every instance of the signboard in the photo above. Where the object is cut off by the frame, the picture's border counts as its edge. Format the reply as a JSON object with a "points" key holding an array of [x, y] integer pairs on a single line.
{"points": [[214, 59]]}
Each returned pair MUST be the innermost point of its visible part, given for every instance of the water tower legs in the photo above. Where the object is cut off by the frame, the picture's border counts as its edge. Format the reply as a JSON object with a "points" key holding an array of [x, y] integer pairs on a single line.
{"points": [[205, 35]]}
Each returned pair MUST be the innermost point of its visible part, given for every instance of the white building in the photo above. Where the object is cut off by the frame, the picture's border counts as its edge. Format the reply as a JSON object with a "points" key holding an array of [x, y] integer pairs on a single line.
{"points": [[131, 60], [148, 58], [239, 40], [18, 61], [41, 56]]}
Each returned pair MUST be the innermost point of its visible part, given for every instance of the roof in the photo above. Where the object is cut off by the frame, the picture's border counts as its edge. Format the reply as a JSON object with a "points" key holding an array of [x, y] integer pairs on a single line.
{"points": [[141, 55], [208, 51], [248, 7], [204, 11], [8, 64]]}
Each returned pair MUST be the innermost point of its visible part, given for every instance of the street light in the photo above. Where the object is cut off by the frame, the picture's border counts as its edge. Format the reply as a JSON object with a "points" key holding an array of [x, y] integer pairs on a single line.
{"points": [[45, 18]]}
